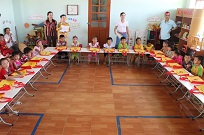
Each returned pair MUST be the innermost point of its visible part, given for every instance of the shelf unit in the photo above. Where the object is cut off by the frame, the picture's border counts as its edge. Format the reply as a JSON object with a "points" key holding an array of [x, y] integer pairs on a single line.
{"points": [[190, 20]]}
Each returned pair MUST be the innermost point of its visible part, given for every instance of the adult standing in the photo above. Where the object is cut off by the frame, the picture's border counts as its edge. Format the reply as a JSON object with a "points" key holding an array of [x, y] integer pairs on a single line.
{"points": [[50, 30], [166, 26], [121, 29], [63, 27], [11, 42]]}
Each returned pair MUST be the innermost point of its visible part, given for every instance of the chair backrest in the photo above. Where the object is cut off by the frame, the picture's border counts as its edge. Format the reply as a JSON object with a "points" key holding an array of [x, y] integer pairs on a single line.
{"points": [[80, 45]]}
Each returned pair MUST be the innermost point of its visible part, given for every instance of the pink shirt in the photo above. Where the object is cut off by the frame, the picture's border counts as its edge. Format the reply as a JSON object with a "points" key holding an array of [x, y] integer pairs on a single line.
{"points": [[94, 45], [178, 59]]}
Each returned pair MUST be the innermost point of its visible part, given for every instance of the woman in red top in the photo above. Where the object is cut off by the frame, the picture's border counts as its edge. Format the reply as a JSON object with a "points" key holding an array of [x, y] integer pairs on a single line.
{"points": [[4, 49], [50, 30]]}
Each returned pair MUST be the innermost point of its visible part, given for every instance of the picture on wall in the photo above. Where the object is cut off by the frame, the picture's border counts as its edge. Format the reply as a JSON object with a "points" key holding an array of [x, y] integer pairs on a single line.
{"points": [[72, 10]]}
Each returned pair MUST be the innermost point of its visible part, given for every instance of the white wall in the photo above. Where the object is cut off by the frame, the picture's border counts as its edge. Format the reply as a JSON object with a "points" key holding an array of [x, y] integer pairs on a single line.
{"points": [[137, 13], [6, 11]]}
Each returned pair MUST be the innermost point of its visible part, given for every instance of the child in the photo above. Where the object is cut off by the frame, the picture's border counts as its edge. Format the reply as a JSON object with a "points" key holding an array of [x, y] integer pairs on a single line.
{"points": [[177, 57], [187, 63], [138, 44], [197, 68], [6, 71], [123, 44], [4, 49], [165, 46], [38, 48], [149, 47], [62, 42], [93, 44], [108, 45], [169, 53], [75, 43], [27, 54], [16, 59]]}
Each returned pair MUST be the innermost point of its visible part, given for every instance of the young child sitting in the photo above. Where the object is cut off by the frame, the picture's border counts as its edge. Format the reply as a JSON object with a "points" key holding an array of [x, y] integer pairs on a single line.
{"points": [[197, 68], [169, 53], [16, 59], [187, 63], [6, 71], [165, 46], [27, 54], [93, 44], [138, 44], [38, 48], [123, 44], [62, 42], [5, 51], [75, 43], [149, 47], [108, 45], [177, 57]]}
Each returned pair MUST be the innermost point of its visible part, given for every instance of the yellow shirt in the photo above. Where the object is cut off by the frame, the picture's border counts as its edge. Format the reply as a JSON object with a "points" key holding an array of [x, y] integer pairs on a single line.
{"points": [[149, 48], [139, 46]]}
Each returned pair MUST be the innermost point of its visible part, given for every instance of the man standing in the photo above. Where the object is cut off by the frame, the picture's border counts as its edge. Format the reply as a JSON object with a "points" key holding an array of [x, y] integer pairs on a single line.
{"points": [[121, 29], [166, 26], [50, 30]]}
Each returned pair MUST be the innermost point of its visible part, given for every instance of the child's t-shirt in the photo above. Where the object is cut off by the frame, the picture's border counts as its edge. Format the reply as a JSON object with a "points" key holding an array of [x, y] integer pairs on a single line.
{"points": [[24, 58], [178, 59], [149, 48], [109, 46], [34, 50], [197, 70], [120, 46], [75, 45], [17, 63], [3, 72], [139, 46], [59, 43], [94, 45], [184, 64], [3, 45]]}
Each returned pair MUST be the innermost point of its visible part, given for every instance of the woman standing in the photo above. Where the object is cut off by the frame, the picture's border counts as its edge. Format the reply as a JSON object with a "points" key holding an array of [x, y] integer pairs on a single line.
{"points": [[63, 27], [11, 42], [121, 29], [50, 30]]}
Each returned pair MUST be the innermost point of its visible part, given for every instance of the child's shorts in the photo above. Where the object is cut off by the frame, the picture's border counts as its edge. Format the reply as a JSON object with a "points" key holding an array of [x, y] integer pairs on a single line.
{"points": [[75, 55]]}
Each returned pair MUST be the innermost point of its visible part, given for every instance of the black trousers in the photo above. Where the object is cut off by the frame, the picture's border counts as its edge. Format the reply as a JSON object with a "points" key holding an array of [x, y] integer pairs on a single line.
{"points": [[51, 41]]}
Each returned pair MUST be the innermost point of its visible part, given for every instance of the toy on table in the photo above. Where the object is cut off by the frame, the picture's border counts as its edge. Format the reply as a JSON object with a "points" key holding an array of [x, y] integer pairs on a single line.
{"points": [[124, 51], [75, 49], [94, 50], [193, 79], [181, 72], [60, 48]]}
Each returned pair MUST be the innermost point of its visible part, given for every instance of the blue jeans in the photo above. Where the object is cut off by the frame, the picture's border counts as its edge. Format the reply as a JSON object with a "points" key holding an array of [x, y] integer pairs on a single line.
{"points": [[118, 40]]}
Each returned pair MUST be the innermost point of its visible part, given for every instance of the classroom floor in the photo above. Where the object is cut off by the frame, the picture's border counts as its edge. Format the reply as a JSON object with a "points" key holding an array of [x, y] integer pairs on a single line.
{"points": [[92, 100]]}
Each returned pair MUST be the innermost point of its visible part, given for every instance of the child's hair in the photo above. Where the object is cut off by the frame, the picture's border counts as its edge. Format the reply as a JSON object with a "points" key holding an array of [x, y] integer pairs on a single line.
{"points": [[74, 37], [38, 40], [200, 58], [94, 37], [14, 53], [1, 35], [3, 59], [62, 15], [122, 38], [122, 13], [27, 50], [61, 36], [188, 54], [109, 38], [172, 48], [166, 42], [176, 51], [137, 39]]}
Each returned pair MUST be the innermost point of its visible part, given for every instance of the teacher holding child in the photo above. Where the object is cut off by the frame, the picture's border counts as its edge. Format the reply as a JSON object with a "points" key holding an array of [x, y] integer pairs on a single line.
{"points": [[121, 29]]}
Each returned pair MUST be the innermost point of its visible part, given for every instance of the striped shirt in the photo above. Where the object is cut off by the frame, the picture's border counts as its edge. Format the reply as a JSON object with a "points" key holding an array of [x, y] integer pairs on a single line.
{"points": [[51, 28]]}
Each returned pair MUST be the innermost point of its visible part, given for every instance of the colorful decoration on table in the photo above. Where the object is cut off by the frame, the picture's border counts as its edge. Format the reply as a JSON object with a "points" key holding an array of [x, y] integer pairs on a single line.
{"points": [[38, 59], [94, 51], [159, 56], [158, 52], [60, 48], [124, 51], [26, 25], [75, 49], [198, 89], [36, 17], [109, 50], [181, 72], [24, 72], [165, 59], [174, 65], [45, 53], [193, 79], [30, 65], [139, 51], [4, 99]]}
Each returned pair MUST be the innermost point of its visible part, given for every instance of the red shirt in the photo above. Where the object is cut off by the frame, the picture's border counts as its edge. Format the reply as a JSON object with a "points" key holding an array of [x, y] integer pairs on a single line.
{"points": [[3, 45], [51, 28], [3, 72]]}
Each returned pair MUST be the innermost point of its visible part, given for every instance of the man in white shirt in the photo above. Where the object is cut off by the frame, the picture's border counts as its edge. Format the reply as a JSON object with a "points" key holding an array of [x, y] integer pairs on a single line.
{"points": [[166, 26], [121, 29], [10, 40]]}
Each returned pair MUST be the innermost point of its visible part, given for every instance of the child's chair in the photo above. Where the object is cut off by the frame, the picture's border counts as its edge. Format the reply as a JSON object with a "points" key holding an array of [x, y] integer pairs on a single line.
{"points": [[139, 58]]}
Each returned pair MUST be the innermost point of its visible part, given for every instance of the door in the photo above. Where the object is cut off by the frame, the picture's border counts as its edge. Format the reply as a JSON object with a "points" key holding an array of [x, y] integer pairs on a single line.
{"points": [[99, 20]]}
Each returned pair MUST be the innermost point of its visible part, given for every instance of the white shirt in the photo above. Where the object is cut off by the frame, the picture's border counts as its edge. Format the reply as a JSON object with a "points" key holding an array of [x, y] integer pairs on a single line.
{"points": [[121, 27], [77, 44], [7, 37], [165, 28], [109, 47], [34, 50]]}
